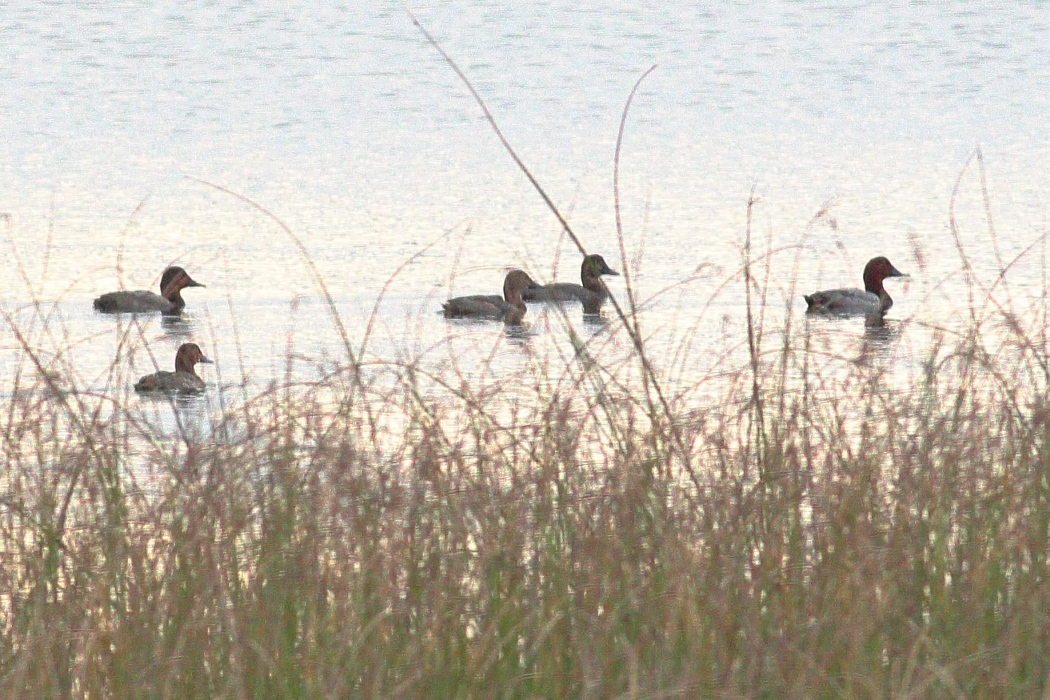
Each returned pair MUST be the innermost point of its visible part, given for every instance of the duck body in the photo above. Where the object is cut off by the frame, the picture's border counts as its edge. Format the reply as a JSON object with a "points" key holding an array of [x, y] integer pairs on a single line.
{"points": [[592, 293], [483, 306], [170, 383], [847, 302], [183, 380], [169, 301], [510, 308], [564, 291], [136, 302], [870, 302]]}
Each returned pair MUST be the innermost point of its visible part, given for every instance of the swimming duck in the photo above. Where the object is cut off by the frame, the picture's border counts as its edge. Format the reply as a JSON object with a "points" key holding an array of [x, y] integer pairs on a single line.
{"points": [[169, 301], [592, 292], [872, 301], [183, 380], [510, 308]]}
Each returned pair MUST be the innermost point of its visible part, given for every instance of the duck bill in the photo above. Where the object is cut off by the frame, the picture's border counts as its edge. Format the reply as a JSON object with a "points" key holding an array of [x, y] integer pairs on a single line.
{"points": [[894, 272], [190, 282], [203, 359], [610, 271]]}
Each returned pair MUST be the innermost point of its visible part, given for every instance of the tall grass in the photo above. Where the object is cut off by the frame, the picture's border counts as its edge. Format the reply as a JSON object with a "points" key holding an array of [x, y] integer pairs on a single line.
{"points": [[592, 530], [391, 532]]}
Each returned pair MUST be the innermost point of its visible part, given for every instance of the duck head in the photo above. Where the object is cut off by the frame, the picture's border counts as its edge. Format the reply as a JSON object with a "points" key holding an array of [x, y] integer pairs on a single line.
{"points": [[595, 265], [877, 270], [187, 356], [590, 274], [174, 280]]}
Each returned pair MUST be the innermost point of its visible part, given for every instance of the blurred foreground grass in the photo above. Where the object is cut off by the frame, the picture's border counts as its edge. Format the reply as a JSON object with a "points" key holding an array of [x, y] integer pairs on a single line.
{"points": [[808, 533]]}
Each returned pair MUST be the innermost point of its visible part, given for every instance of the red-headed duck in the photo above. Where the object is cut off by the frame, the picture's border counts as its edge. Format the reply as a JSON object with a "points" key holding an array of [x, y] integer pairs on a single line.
{"points": [[872, 301], [169, 301], [183, 380], [510, 309], [591, 293]]}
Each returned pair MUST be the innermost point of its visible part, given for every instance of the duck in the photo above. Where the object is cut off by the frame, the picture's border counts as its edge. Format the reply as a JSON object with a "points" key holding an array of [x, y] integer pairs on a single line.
{"points": [[169, 301], [591, 293], [183, 380], [872, 302], [510, 308]]}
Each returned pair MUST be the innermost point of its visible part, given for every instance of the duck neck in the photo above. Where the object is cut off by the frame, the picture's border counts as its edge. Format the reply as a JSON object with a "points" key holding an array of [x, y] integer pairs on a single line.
{"points": [[873, 283], [592, 282], [517, 302], [173, 293], [885, 302], [184, 365], [517, 309]]}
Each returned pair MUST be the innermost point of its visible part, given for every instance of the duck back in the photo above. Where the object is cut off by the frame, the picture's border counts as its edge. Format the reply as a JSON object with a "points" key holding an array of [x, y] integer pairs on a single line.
{"points": [[483, 306], [170, 382], [846, 301], [560, 291], [133, 302]]}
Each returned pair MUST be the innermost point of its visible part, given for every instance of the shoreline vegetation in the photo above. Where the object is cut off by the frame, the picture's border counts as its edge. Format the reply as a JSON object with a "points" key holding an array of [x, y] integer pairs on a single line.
{"points": [[810, 532], [593, 530]]}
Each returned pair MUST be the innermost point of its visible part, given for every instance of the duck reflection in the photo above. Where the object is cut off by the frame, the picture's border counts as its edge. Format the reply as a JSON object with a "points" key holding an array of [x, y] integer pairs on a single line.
{"points": [[176, 416], [177, 325], [879, 340], [188, 405], [518, 334], [595, 322]]}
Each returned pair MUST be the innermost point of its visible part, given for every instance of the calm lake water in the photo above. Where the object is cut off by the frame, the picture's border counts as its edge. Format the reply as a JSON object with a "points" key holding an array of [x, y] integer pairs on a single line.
{"points": [[343, 123]]}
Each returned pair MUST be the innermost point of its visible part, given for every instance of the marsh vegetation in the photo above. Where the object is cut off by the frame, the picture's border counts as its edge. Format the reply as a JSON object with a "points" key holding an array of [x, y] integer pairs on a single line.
{"points": [[587, 530]]}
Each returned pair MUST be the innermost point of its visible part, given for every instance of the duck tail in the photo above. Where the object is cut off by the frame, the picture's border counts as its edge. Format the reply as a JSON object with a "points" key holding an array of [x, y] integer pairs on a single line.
{"points": [[811, 300]]}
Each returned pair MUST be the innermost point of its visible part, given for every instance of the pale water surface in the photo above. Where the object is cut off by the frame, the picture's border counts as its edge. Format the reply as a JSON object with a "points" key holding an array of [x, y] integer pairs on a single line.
{"points": [[341, 121]]}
